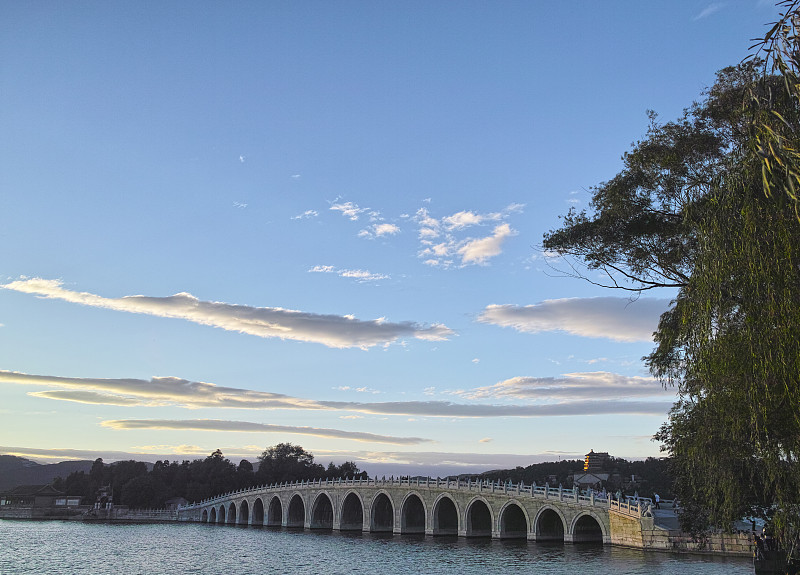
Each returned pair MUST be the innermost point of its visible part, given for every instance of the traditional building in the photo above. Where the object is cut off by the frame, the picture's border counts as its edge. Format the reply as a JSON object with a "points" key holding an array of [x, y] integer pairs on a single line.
{"points": [[31, 501], [594, 461]]}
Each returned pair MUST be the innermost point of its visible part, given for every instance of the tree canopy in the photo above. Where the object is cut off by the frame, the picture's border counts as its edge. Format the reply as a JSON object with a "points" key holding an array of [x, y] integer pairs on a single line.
{"points": [[288, 462], [695, 209], [133, 485], [641, 230]]}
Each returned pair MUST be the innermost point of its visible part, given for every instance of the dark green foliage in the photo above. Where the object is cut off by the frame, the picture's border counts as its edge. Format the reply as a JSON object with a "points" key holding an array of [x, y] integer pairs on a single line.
{"points": [[556, 472], [134, 486], [694, 208], [287, 462], [144, 492], [652, 475], [775, 138], [76, 483], [641, 229]]}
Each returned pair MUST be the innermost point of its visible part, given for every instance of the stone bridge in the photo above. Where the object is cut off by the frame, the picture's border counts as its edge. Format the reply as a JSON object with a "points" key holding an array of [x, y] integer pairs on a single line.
{"points": [[426, 506]]}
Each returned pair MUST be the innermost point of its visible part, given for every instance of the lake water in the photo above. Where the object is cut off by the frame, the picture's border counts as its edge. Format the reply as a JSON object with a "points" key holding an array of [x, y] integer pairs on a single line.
{"points": [[45, 547]]}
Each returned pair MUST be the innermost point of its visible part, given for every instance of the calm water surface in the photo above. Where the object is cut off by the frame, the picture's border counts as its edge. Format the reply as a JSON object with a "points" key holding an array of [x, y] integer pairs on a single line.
{"points": [[46, 547]]}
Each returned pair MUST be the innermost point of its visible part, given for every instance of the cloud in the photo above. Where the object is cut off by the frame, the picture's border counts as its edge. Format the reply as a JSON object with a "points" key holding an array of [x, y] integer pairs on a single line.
{"points": [[464, 219], [379, 230], [362, 275], [306, 215], [362, 389], [349, 210], [564, 408], [177, 449], [252, 427], [440, 244], [189, 394], [94, 398], [479, 250], [614, 318], [709, 10], [330, 330], [358, 275], [486, 440], [598, 385], [158, 391]]}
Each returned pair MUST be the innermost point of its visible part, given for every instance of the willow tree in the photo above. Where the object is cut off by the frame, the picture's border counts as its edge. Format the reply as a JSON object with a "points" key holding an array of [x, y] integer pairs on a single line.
{"points": [[693, 209], [731, 344], [775, 138]]}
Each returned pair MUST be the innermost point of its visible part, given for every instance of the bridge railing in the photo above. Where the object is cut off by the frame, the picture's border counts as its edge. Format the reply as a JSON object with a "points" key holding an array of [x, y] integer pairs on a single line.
{"points": [[633, 506]]}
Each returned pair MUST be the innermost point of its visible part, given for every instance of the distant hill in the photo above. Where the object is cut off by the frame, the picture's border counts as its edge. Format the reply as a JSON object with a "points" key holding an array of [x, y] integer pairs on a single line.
{"points": [[20, 471]]}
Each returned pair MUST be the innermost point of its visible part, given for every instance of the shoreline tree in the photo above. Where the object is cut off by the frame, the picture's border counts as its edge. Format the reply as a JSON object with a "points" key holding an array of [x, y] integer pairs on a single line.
{"points": [[695, 209]]}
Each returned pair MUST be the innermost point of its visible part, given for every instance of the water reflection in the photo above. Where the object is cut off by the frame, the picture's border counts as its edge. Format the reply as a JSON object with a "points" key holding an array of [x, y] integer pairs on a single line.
{"points": [[98, 549]]}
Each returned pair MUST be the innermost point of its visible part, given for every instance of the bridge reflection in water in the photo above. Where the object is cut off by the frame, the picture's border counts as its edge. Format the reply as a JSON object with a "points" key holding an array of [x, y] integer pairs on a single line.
{"points": [[429, 506]]}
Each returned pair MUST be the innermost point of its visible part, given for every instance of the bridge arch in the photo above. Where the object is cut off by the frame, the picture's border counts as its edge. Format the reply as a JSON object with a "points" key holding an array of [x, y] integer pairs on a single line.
{"points": [[587, 527], [413, 513], [351, 515], [549, 524], [243, 516], [322, 512], [296, 515], [445, 515], [231, 513], [258, 512], [204, 516], [382, 513], [275, 512], [221, 514], [478, 518], [514, 521]]}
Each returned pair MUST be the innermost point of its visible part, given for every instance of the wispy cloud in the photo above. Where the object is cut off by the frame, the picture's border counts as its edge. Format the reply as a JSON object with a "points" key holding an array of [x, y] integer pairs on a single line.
{"points": [[190, 394], [709, 10], [379, 230], [442, 247], [478, 251], [330, 330], [252, 427], [358, 275], [609, 317], [598, 385], [362, 389], [306, 215], [563, 408], [349, 210]]}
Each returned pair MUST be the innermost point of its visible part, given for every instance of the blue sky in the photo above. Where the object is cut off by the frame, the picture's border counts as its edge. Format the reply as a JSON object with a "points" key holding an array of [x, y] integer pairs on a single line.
{"points": [[233, 225]]}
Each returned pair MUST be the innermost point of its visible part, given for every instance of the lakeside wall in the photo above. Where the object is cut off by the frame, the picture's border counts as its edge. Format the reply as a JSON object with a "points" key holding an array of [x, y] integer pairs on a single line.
{"points": [[118, 513], [642, 533]]}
